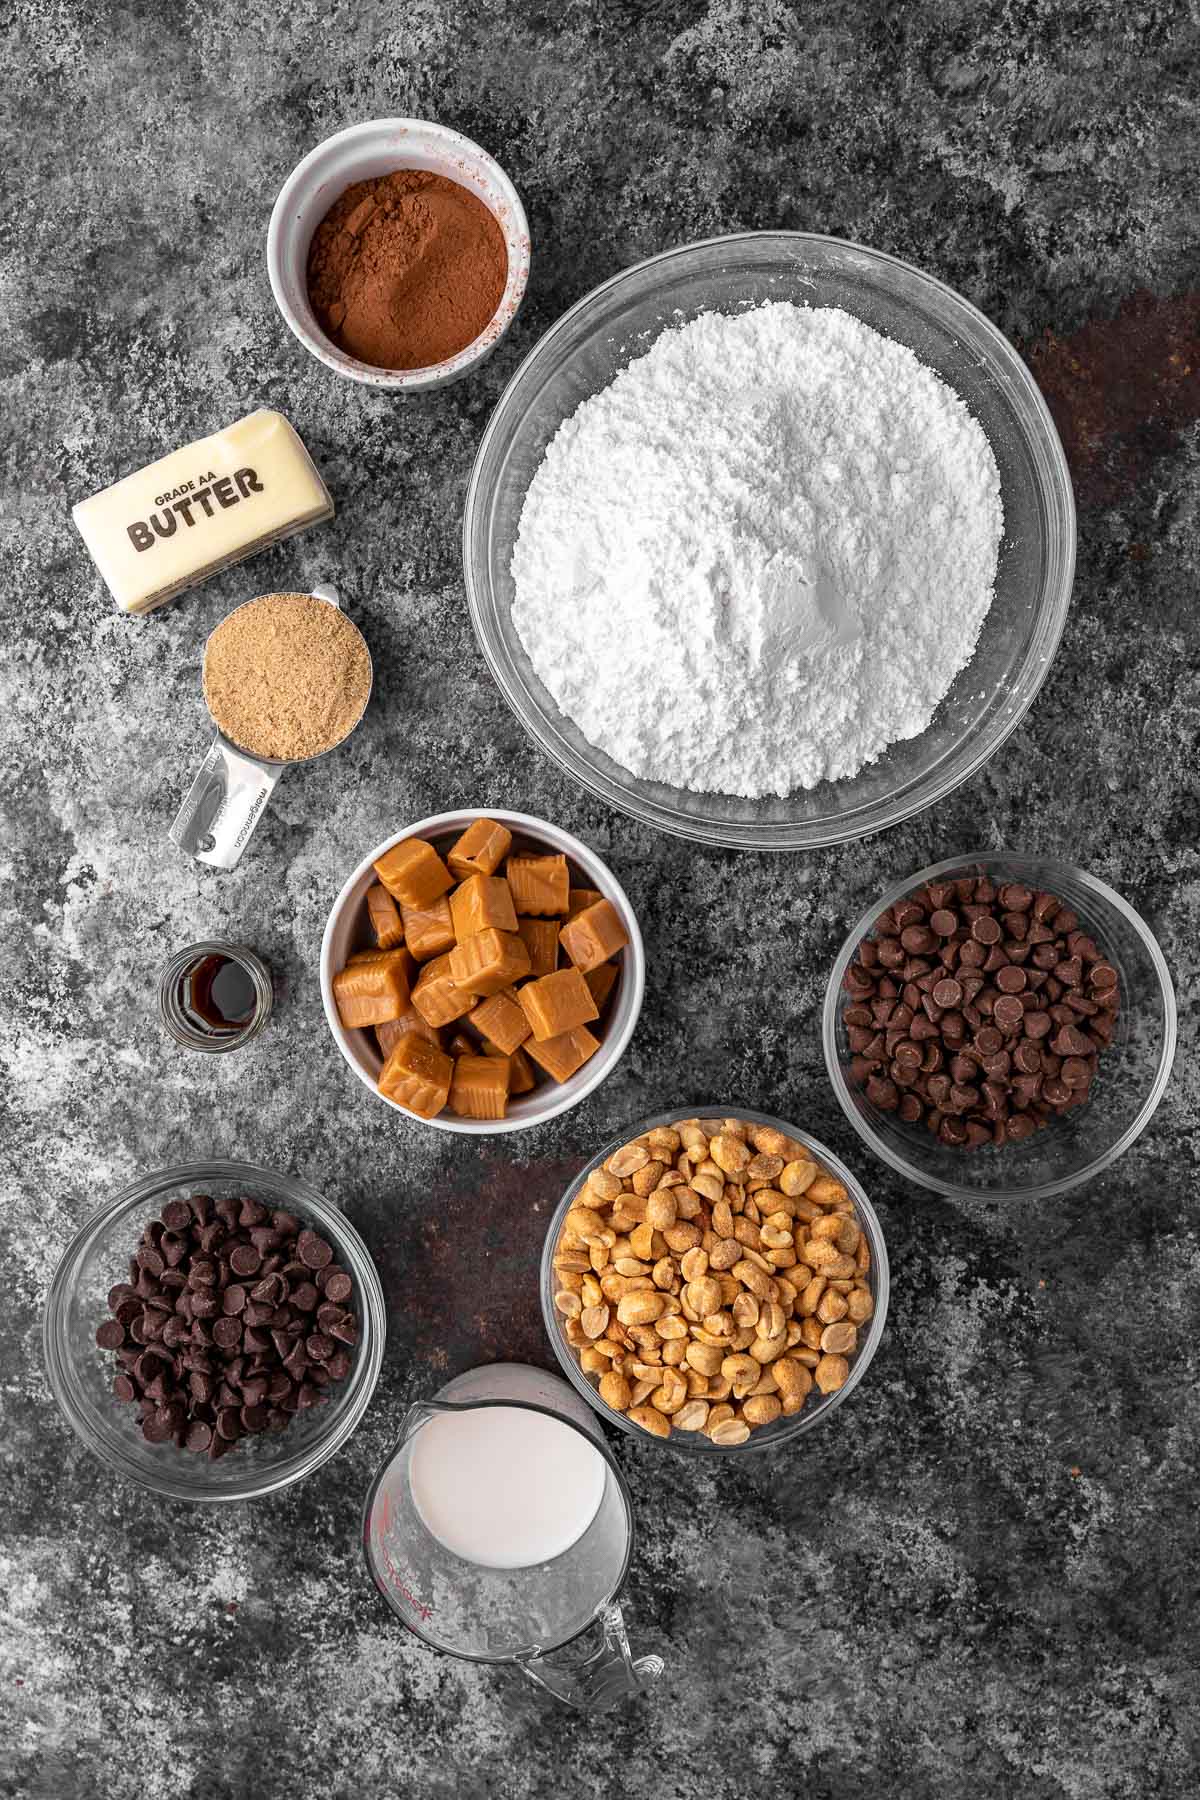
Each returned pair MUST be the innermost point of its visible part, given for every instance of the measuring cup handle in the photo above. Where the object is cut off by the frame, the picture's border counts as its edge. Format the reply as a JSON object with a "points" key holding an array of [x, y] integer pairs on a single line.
{"points": [[598, 1670], [224, 804]]}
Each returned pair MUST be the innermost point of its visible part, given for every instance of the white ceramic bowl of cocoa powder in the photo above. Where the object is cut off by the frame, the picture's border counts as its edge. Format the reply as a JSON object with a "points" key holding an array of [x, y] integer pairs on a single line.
{"points": [[347, 930], [360, 153]]}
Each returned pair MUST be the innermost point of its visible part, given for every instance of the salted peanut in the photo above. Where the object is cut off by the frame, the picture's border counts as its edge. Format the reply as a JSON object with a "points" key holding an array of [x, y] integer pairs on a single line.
{"points": [[479, 1089], [562, 1056], [489, 961], [831, 1373], [501, 1020], [385, 920], [769, 1141], [437, 996], [745, 1310], [729, 1433], [671, 1393], [761, 1409], [417, 1076], [671, 1327], [482, 901], [428, 930], [753, 1278], [650, 1419], [645, 1180], [859, 1305], [540, 938], [414, 873], [725, 1253], [615, 1391], [568, 1304], [771, 1320], [728, 1152], [641, 1239], [480, 850], [540, 885], [694, 1264], [557, 1003], [831, 1307], [764, 1168], [628, 1160], [703, 1296], [705, 1358], [693, 1416], [604, 1185], [594, 935], [742, 1372], [792, 1379], [826, 1190], [840, 1339], [797, 1177], [640, 1309], [810, 1296], [594, 1320], [688, 1203], [810, 1333], [591, 1361], [709, 1187], [370, 992]]}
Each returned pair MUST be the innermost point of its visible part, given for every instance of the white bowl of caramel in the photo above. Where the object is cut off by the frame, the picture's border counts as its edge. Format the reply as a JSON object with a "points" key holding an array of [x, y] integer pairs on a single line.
{"points": [[482, 972]]}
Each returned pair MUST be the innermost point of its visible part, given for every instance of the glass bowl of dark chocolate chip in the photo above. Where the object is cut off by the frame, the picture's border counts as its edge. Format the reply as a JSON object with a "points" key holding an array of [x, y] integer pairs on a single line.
{"points": [[215, 1332], [1000, 1024]]}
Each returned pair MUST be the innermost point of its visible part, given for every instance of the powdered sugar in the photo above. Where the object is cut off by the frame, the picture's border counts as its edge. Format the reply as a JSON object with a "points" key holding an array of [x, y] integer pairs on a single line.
{"points": [[761, 554]]}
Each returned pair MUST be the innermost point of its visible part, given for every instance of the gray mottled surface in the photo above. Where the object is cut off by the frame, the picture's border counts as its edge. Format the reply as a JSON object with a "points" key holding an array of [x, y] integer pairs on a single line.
{"points": [[980, 1577]]}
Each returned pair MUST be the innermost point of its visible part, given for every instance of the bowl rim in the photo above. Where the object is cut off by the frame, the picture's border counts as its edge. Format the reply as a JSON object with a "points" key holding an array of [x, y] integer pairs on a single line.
{"points": [[987, 859], [1054, 482], [634, 973], [783, 1431], [141, 1193], [516, 234]]}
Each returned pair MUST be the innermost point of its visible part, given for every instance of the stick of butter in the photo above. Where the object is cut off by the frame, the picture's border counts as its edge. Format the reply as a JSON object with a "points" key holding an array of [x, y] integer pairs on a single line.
{"points": [[179, 520]]}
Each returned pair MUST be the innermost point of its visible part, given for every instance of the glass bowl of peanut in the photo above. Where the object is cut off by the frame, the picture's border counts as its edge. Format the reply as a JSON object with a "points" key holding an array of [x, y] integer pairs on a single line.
{"points": [[715, 1282]]}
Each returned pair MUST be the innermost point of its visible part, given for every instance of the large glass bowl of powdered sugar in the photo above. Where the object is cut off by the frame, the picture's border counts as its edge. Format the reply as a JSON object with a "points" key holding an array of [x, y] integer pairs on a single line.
{"points": [[770, 540]]}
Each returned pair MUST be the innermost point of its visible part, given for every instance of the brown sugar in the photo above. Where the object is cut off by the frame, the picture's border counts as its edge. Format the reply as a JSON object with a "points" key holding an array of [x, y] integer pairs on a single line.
{"points": [[286, 676], [405, 270]]}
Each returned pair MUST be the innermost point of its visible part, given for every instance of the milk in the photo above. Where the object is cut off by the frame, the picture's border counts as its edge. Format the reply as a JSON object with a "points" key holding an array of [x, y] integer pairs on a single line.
{"points": [[503, 1486]]}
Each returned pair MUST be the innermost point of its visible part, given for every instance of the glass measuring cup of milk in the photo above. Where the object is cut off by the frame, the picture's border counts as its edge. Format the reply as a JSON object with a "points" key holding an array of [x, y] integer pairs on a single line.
{"points": [[229, 795], [500, 1530]]}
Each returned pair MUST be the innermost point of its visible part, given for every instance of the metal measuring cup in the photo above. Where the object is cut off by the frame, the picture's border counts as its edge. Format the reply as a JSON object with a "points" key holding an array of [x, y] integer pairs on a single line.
{"points": [[229, 795]]}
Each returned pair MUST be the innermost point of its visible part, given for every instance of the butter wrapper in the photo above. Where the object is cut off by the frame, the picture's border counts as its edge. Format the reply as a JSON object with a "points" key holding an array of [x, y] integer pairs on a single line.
{"points": [[180, 519]]}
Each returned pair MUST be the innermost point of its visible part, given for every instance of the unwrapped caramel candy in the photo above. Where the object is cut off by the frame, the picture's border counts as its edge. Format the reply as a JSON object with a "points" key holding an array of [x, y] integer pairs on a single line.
{"points": [[540, 938], [540, 884], [385, 920], [414, 873], [372, 988], [428, 930], [417, 1076], [489, 961], [501, 1020], [437, 996], [479, 1089], [557, 1003], [482, 900], [562, 1056], [593, 935], [480, 850]]}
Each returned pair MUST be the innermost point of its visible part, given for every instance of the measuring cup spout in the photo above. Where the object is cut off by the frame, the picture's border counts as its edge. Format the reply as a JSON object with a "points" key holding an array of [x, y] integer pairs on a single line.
{"points": [[598, 1670]]}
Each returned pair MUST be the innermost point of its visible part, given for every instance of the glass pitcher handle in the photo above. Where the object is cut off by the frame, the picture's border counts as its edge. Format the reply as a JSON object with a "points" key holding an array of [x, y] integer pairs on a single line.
{"points": [[597, 1671]]}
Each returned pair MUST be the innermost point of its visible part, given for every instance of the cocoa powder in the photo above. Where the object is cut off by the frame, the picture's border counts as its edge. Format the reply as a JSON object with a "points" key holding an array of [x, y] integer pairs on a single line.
{"points": [[286, 676], [406, 269]]}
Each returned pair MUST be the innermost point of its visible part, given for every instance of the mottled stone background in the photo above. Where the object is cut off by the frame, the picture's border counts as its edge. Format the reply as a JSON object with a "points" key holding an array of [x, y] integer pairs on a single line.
{"points": [[981, 1576]]}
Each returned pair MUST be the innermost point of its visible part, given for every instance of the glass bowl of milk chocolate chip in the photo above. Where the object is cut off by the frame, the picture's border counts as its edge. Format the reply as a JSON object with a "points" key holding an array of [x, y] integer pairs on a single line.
{"points": [[215, 1331], [1000, 1024], [770, 541]]}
